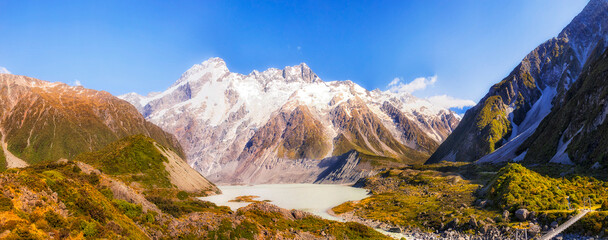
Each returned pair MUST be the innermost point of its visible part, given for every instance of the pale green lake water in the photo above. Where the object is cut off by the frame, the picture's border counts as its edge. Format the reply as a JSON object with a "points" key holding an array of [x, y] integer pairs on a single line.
{"points": [[312, 198]]}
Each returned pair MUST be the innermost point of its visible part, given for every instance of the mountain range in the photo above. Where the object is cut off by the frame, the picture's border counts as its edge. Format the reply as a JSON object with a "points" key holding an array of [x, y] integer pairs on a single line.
{"points": [[78, 163], [287, 125]]}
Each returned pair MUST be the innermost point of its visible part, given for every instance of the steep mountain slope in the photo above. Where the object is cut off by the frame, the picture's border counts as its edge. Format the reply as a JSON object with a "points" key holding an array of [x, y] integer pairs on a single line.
{"points": [[513, 108], [290, 126], [43, 121], [575, 131]]}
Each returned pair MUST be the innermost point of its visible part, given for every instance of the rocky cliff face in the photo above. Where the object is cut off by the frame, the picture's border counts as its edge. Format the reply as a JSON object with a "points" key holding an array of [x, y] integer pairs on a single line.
{"points": [[267, 126], [575, 131], [43, 121], [514, 107]]}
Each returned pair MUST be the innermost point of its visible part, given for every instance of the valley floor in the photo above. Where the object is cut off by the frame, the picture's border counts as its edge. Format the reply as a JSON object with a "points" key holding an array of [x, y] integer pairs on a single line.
{"points": [[434, 201]]}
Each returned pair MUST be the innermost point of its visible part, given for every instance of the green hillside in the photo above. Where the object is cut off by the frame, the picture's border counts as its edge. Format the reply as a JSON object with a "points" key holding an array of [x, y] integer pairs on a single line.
{"points": [[64, 201], [518, 187], [132, 159]]}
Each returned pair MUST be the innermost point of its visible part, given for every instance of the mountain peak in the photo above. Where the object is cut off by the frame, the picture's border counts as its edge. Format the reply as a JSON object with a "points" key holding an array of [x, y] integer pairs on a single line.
{"points": [[303, 65], [296, 73], [214, 61], [589, 22], [301, 71], [215, 66]]}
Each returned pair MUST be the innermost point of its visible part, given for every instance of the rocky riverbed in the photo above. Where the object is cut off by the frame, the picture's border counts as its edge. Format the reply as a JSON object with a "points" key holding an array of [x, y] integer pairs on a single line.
{"points": [[492, 232]]}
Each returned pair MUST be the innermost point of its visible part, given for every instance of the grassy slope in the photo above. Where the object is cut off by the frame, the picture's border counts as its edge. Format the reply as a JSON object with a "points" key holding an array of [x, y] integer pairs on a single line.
{"points": [[418, 198], [63, 201], [517, 187], [59, 200], [431, 196], [132, 159]]}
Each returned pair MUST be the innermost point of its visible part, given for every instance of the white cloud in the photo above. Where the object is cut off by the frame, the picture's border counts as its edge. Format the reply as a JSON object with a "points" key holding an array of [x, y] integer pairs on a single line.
{"points": [[450, 102], [77, 83], [445, 101], [394, 82], [417, 84], [4, 70]]}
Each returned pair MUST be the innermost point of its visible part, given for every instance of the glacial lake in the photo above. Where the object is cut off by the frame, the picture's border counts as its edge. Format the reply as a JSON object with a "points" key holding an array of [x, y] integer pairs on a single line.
{"points": [[312, 198]]}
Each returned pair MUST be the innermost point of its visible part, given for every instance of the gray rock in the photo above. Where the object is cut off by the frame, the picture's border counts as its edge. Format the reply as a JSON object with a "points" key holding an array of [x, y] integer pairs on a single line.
{"points": [[473, 222], [453, 223], [554, 224], [505, 214], [533, 230], [522, 214]]}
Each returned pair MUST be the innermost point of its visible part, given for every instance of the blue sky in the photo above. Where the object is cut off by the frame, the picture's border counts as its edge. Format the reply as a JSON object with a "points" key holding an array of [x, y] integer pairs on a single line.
{"points": [[457, 48]]}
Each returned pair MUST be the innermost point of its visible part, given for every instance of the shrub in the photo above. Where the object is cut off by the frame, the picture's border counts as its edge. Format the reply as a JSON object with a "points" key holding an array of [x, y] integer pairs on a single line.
{"points": [[5, 204], [181, 195], [129, 209], [54, 219], [89, 229], [91, 208], [93, 179], [149, 217], [107, 193], [604, 205], [166, 205]]}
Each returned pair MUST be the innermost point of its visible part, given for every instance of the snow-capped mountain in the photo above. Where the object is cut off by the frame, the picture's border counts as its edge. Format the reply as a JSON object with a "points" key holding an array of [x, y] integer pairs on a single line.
{"points": [[512, 110], [287, 125]]}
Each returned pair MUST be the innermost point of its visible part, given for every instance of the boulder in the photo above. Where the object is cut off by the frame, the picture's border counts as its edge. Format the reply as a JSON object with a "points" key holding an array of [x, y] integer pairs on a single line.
{"points": [[473, 222], [453, 223], [522, 214], [505, 215], [533, 230], [554, 224]]}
